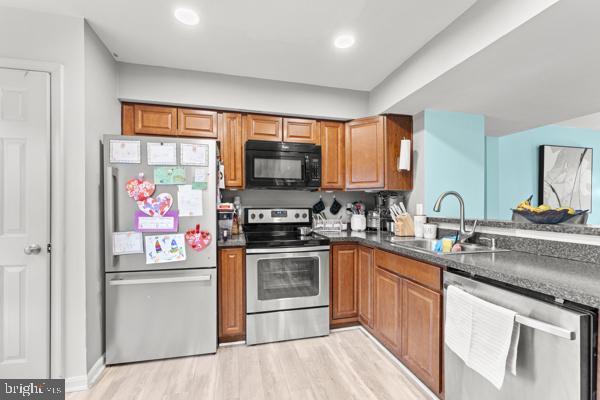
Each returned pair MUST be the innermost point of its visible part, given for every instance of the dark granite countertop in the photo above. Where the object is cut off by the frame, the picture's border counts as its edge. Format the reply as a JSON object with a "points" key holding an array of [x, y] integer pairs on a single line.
{"points": [[570, 280], [233, 241]]}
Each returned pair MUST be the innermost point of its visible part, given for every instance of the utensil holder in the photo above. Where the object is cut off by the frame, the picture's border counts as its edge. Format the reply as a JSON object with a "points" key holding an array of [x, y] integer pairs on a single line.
{"points": [[405, 226]]}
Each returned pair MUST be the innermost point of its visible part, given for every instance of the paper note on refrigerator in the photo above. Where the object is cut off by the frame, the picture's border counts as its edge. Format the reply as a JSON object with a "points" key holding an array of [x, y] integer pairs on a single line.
{"points": [[169, 175], [162, 153], [194, 154], [127, 243], [165, 248], [189, 201], [125, 151], [200, 179]]}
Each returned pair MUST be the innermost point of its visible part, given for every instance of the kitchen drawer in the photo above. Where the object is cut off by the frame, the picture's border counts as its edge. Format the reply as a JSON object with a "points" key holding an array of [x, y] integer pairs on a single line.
{"points": [[425, 274]]}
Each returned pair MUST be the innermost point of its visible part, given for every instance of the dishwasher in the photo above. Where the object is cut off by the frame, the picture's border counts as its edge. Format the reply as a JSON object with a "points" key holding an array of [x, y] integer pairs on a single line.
{"points": [[556, 352]]}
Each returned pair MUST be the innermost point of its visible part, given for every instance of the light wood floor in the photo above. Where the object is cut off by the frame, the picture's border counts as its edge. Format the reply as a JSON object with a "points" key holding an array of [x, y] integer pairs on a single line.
{"points": [[344, 365]]}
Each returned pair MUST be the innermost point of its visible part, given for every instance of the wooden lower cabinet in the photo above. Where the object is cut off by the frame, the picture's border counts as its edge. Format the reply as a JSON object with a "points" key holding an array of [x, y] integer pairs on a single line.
{"points": [[399, 302], [421, 333], [387, 294], [344, 284], [231, 298], [365, 285]]}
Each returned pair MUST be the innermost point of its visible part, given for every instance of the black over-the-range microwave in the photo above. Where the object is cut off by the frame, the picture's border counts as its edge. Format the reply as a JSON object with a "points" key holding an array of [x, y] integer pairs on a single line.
{"points": [[279, 165]]}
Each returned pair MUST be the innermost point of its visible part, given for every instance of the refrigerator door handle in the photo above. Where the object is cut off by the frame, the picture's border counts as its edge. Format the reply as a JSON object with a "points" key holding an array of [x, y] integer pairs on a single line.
{"points": [[199, 278], [109, 214]]}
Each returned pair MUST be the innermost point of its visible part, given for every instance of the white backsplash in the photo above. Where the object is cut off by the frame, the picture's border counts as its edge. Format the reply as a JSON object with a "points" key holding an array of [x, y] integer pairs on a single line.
{"points": [[297, 198]]}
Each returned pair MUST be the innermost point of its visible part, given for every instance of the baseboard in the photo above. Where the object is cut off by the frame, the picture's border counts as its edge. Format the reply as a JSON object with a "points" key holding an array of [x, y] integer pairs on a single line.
{"points": [[76, 383], [84, 382], [403, 367], [95, 372], [229, 344]]}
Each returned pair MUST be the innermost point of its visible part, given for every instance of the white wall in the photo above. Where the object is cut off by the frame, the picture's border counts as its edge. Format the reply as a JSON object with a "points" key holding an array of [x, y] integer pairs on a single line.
{"points": [[102, 116], [51, 38], [203, 89]]}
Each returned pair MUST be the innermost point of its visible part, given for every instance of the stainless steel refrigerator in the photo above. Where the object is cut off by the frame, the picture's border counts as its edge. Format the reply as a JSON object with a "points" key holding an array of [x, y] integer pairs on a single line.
{"points": [[159, 309]]}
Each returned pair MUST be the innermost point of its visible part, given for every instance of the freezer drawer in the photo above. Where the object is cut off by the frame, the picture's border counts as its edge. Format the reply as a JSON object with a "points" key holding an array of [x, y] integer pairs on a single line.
{"points": [[162, 314]]}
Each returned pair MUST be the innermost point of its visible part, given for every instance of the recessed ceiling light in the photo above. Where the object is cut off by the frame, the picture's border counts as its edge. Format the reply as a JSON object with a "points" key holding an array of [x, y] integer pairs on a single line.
{"points": [[187, 16], [344, 41]]}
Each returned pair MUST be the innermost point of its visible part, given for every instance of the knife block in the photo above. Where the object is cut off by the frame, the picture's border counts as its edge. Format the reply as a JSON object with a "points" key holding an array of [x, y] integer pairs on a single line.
{"points": [[405, 226]]}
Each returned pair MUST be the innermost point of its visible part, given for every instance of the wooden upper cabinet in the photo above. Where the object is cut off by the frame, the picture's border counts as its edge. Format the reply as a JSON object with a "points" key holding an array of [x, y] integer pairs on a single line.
{"points": [[344, 279], [197, 123], [372, 151], [332, 155], [365, 285], [387, 296], [127, 119], [397, 127], [264, 127], [232, 149], [365, 153], [155, 120], [298, 130], [232, 308], [421, 333]]}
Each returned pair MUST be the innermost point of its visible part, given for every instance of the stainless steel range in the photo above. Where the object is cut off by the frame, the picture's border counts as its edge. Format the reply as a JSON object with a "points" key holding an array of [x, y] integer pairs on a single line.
{"points": [[287, 276]]}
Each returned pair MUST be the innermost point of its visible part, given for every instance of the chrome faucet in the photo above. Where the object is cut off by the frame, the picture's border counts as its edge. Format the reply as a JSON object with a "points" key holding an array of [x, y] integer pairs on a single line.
{"points": [[463, 234]]}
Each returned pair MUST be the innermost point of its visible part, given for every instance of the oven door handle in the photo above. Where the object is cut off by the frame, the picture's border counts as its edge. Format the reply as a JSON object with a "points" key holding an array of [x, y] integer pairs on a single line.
{"points": [[287, 250]]}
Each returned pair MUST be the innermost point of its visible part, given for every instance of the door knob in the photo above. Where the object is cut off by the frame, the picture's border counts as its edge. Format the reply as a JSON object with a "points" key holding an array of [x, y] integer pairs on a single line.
{"points": [[32, 249]]}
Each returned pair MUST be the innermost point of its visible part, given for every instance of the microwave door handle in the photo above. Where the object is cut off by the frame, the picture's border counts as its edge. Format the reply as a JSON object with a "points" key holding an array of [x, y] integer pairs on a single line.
{"points": [[306, 170]]}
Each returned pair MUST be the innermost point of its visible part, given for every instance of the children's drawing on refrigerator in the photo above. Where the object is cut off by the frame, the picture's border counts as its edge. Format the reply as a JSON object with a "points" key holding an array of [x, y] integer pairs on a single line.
{"points": [[165, 248]]}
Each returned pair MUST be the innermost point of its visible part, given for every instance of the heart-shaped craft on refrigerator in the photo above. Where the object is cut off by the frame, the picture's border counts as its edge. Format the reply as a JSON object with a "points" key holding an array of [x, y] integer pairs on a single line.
{"points": [[139, 189], [197, 239], [156, 206]]}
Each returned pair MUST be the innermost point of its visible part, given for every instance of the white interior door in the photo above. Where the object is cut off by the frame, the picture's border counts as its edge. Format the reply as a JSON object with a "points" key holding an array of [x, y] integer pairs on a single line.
{"points": [[24, 224]]}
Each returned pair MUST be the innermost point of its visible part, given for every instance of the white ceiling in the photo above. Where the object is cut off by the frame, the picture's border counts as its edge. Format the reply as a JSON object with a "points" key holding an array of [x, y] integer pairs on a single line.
{"points": [[590, 121], [272, 39], [543, 72]]}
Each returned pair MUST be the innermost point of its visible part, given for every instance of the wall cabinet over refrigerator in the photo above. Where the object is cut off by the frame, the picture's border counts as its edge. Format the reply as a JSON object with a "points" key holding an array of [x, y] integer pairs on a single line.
{"points": [[146, 119]]}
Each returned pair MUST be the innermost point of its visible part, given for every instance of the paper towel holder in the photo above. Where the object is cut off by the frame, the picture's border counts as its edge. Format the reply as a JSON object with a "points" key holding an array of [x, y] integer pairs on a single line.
{"points": [[404, 154]]}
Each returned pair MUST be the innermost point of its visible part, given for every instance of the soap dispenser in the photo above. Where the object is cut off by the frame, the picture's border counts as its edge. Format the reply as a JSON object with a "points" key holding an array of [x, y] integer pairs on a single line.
{"points": [[419, 221]]}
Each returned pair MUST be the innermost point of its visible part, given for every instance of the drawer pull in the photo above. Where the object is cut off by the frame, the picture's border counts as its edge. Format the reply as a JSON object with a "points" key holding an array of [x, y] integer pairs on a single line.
{"points": [[119, 282]]}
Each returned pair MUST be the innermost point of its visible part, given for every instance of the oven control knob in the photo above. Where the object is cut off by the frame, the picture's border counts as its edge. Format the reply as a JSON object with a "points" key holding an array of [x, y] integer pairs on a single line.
{"points": [[261, 215], [252, 216], [304, 215], [296, 215]]}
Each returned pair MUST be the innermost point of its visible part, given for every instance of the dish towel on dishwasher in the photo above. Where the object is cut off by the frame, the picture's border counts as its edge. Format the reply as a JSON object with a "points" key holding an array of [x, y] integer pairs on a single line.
{"points": [[484, 335]]}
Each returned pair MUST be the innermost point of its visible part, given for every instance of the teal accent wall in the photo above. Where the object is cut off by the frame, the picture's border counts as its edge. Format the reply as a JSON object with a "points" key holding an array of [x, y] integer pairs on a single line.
{"points": [[454, 160], [492, 176], [516, 168]]}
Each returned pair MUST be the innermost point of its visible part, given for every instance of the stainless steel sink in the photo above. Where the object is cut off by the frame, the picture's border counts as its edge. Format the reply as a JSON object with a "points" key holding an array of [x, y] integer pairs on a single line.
{"points": [[428, 246]]}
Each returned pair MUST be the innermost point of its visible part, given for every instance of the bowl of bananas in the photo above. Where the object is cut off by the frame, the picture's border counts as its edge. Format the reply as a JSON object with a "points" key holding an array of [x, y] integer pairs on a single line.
{"points": [[544, 214]]}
